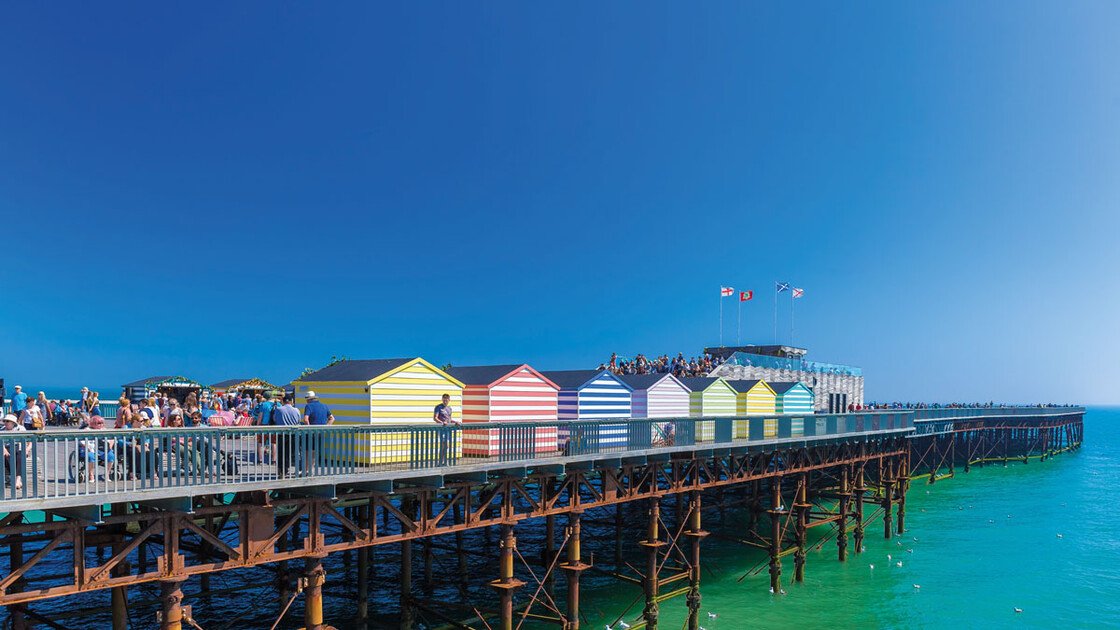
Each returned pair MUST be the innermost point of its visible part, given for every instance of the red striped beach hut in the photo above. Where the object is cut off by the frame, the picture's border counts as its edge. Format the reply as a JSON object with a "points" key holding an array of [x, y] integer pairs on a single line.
{"points": [[506, 393]]}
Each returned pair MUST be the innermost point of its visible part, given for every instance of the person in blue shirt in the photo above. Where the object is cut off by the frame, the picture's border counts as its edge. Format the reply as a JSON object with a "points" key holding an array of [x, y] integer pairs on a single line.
{"points": [[263, 414], [19, 400], [316, 413]]}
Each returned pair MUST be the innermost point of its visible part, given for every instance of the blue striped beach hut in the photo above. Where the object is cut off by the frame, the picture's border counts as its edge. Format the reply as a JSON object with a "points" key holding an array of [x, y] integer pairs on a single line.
{"points": [[594, 395]]}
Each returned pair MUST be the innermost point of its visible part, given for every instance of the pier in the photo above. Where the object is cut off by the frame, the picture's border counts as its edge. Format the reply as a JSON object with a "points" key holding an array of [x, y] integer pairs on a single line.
{"points": [[184, 504]]}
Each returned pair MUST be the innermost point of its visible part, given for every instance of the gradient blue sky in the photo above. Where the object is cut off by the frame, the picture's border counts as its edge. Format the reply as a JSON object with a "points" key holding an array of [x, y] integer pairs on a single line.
{"points": [[223, 190]]}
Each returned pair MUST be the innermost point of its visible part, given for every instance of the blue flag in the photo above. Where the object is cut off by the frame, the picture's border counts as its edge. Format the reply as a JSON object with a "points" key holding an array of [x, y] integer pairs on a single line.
{"points": [[781, 286]]}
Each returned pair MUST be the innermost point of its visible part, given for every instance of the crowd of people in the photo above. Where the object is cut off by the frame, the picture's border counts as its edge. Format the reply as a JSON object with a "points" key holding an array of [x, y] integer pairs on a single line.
{"points": [[876, 406], [125, 457], [677, 366]]}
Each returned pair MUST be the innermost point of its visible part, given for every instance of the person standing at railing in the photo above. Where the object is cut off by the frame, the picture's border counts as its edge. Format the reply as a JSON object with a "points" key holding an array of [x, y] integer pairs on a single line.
{"points": [[13, 452], [44, 407], [286, 415], [444, 415], [262, 416], [315, 414]]}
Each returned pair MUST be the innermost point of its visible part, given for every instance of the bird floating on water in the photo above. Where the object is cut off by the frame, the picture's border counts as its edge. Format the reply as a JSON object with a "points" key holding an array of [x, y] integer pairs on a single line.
{"points": [[991, 520], [909, 551], [712, 615], [870, 565], [917, 586], [898, 564], [1060, 536], [622, 624], [1018, 610], [782, 591], [609, 627], [888, 556], [771, 590]]}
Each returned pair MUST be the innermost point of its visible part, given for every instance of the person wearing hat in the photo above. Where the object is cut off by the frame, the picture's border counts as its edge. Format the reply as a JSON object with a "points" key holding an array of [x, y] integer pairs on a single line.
{"points": [[19, 401], [316, 413], [13, 451]]}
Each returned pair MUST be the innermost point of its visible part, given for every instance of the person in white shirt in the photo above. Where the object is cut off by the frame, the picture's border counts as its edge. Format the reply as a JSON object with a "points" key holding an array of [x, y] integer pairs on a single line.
{"points": [[13, 452]]}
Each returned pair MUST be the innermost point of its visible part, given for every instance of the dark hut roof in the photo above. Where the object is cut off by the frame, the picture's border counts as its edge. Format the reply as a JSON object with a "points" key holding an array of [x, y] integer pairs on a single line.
{"points": [[644, 381], [571, 379], [785, 386], [355, 370], [743, 386]]}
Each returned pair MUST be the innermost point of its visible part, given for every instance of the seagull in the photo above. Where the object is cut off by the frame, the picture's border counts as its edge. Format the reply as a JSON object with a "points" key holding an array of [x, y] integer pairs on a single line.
{"points": [[622, 624], [712, 615], [782, 591], [1060, 536], [960, 507], [917, 586], [899, 543], [609, 627], [991, 520], [870, 565], [970, 507], [1008, 516], [909, 551], [772, 588], [862, 549], [1018, 610], [923, 509], [898, 564], [888, 556]]}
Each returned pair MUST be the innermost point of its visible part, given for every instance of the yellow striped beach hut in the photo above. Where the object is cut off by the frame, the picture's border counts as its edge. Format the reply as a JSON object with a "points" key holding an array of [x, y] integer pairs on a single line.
{"points": [[755, 397], [384, 392]]}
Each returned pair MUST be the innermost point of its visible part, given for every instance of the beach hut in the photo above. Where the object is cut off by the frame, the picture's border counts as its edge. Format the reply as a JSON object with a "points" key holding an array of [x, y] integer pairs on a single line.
{"points": [[177, 387], [793, 397], [711, 397], [755, 397], [506, 393], [250, 386], [657, 396], [383, 392], [594, 395]]}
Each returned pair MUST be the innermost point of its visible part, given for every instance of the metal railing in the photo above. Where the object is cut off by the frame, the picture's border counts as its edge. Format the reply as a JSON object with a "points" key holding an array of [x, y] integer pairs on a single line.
{"points": [[108, 409], [66, 463], [796, 365], [980, 412]]}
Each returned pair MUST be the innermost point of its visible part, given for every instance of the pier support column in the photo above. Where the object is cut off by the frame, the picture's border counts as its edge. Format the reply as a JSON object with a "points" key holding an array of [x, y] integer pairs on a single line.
{"points": [[842, 519], [171, 604], [363, 571], [776, 535], [857, 535], [903, 484], [549, 551], [696, 534], [887, 485], [406, 585], [652, 543], [755, 507], [801, 504], [506, 584], [314, 576], [574, 566]]}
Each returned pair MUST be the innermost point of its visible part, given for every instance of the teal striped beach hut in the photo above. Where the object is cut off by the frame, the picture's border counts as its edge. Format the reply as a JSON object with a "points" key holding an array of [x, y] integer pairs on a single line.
{"points": [[793, 397]]}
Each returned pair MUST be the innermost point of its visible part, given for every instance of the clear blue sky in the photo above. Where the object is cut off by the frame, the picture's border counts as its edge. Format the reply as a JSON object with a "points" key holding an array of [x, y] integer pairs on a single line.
{"points": [[224, 190]]}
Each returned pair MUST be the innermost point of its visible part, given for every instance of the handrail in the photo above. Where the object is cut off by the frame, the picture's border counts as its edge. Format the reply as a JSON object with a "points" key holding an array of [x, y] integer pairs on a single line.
{"points": [[105, 463]]}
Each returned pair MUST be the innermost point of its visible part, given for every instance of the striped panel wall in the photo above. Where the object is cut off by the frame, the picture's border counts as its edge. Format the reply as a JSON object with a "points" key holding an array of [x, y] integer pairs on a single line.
{"points": [[667, 399], [605, 397], [757, 400], [520, 397], [405, 398], [797, 399], [716, 401]]}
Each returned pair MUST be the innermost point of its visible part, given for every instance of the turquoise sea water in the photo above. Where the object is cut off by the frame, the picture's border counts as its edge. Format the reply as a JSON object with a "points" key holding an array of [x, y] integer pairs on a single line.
{"points": [[973, 573]]}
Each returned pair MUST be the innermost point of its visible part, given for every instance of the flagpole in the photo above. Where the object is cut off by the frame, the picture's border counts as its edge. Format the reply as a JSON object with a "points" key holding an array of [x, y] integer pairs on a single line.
{"points": [[739, 326], [721, 317], [791, 317], [775, 311]]}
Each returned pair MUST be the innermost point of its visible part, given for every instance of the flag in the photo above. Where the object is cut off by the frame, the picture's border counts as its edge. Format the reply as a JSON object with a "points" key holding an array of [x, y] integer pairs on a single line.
{"points": [[781, 286], [726, 291], [745, 295], [798, 292]]}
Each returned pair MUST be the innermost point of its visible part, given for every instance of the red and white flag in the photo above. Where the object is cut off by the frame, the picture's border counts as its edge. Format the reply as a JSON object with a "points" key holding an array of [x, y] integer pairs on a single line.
{"points": [[745, 295], [798, 293], [726, 291]]}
